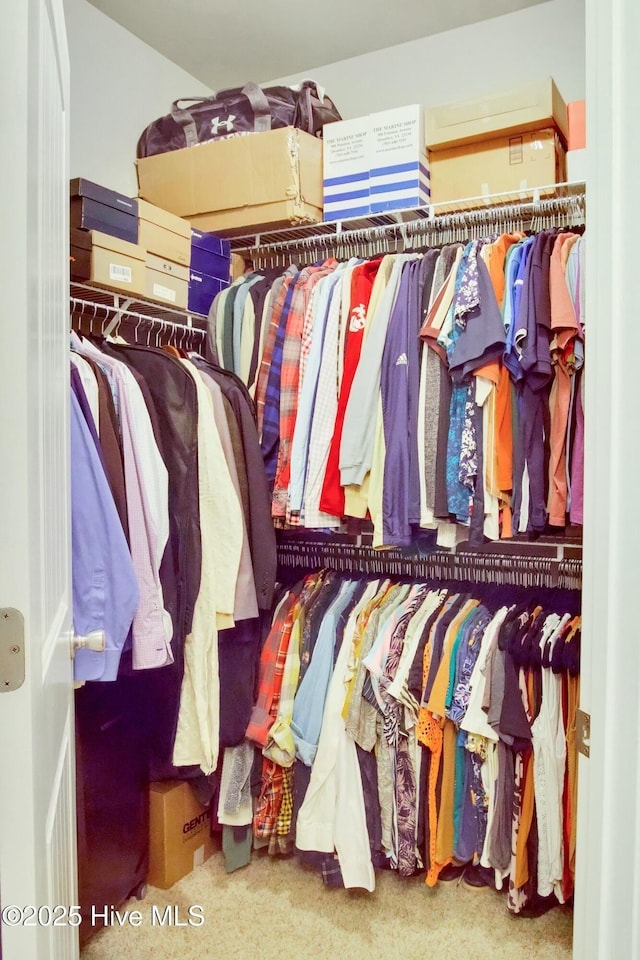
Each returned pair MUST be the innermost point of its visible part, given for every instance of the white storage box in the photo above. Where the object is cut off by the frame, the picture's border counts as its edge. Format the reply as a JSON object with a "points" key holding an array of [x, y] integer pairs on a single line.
{"points": [[346, 168], [399, 175]]}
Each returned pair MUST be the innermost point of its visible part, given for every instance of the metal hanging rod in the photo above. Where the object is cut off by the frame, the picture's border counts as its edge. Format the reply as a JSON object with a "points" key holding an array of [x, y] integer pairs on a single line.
{"points": [[492, 568], [108, 310], [437, 223]]}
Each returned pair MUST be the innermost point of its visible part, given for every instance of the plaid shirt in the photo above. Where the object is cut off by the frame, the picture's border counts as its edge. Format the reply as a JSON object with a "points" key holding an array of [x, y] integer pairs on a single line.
{"points": [[288, 399], [272, 661], [270, 441], [269, 343], [285, 816], [265, 819], [280, 746]]}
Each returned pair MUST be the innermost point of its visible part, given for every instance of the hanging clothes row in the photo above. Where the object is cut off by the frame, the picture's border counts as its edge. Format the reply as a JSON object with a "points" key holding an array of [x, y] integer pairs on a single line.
{"points": [[440, 389], [419, 727], [174, 555]]}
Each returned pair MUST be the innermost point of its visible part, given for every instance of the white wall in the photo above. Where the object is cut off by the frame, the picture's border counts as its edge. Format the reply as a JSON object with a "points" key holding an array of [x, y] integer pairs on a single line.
{"points": [[544, 40], [118, 85]]}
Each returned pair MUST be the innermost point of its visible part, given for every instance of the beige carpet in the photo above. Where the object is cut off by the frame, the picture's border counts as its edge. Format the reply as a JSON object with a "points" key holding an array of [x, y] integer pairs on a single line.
{"points": [[277, 910]]}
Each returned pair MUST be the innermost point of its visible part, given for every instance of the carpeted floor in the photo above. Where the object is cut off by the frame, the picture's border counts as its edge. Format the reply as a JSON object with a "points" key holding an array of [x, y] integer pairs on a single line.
{"points": [[282, 911]]}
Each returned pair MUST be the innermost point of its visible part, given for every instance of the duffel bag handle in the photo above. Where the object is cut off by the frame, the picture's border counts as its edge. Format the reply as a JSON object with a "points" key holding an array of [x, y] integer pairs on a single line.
{"points": [[186, 121], [254, 94], [260, 106]]}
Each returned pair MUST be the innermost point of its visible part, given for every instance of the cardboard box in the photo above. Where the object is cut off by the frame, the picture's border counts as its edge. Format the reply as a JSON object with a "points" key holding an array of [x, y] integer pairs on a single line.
{"points": [[501, 165], [210, 255], [166, 287], [346, 165], [399, 174], [203, 289], [229, 187], [179, 833], [96, 208], [527, 107], [577, 120], [164, 234], [107, 261]]}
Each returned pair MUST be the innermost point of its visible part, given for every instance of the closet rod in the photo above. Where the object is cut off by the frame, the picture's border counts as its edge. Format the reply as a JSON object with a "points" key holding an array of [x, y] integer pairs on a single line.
{"points": [[111, 317], [429, 223], [497, 568]]}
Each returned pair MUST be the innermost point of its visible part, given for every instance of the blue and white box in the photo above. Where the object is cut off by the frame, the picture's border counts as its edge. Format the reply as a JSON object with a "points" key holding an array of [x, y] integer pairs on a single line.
{"points": [[399, 172], [346, 163]]}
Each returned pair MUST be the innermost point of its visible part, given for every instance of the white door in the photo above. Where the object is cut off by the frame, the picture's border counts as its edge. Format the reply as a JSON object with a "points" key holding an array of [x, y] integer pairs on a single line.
{"points": [[37, 777]]}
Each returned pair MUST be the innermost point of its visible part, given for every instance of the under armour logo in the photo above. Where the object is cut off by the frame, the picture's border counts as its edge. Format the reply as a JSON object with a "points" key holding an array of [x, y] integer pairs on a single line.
{"points": [[402, 360], [217, 124], [358, 316]]}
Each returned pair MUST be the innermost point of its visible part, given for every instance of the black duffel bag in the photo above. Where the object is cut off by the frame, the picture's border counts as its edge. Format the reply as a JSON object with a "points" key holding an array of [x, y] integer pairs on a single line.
{"points": [[250, 109]]}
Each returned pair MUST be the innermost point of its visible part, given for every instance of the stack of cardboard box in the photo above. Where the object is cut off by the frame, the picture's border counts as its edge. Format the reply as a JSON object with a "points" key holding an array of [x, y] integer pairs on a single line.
{"points": [[166, 241], [131, 245], [506, 142], [104, 238]]}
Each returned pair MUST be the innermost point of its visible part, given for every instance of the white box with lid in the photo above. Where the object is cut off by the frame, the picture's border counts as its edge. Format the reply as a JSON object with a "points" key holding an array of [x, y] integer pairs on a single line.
{"points": [[399, 173], [346, 162]]}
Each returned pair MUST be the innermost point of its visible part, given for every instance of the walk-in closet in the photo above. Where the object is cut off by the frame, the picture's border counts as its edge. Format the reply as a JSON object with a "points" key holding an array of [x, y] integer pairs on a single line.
{"points": [[335, 571]]}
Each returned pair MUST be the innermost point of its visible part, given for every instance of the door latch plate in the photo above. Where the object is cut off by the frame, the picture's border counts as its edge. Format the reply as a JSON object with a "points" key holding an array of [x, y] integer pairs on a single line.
{"points": [[583, 732], [11, 649]]}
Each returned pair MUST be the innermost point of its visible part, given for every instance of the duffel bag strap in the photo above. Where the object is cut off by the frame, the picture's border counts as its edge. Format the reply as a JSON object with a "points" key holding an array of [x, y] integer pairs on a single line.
{"points": [[260, 106], [186, 121]]}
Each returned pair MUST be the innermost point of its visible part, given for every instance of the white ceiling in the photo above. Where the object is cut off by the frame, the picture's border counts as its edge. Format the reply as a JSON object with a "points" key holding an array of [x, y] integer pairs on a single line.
{"points": [[225, 43]]}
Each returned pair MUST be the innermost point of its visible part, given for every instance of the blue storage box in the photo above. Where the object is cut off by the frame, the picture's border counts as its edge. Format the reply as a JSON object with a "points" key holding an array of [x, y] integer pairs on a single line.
{"points": [[210, 255], [202, 291]]}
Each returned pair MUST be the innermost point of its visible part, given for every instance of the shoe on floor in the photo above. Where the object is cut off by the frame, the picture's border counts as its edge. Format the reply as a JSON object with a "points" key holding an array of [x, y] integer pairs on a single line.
{"points": [[479, 878], [538, 906], [452, 871]]}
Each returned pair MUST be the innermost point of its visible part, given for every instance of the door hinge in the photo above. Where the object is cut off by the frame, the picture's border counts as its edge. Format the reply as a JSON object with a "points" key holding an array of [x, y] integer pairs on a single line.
{"points": [[11, 649], [583, 732]]}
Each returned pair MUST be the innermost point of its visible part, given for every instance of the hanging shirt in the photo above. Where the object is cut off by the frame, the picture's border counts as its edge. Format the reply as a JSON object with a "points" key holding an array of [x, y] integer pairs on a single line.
{"points": [[104, 586], [308, 707], [271, 334], [289, 382], [358, 435], [197, 735], [333, 814], [245, 606], [324, 413], [147, 488], [238, 321], [362, 280], [270, 436], [311, 359]]}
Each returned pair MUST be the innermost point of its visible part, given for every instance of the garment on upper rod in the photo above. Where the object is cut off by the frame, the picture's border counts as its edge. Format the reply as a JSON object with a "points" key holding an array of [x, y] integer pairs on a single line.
{"points": [[473, 428]]}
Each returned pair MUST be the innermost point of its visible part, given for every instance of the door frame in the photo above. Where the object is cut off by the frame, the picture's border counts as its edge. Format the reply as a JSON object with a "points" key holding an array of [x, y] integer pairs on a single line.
{"points": [[606, 915]]}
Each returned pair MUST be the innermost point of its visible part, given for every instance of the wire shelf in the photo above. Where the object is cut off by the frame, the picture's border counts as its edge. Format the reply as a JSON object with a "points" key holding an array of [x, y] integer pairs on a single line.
{"points": [[108, 309], [472, 212]]}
